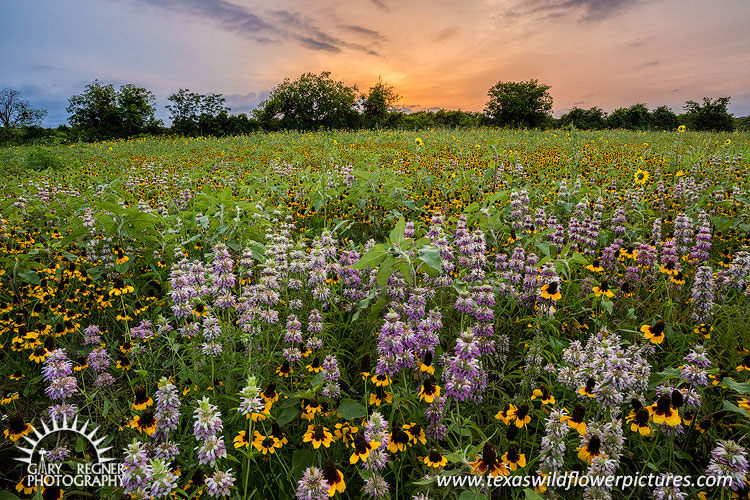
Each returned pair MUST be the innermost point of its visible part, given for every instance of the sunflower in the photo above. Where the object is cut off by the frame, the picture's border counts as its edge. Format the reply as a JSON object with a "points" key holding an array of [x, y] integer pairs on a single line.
{"points": [[17, 428], [141, 399], [429, 391], [588, 389], [435, 459], [551, 291], [317, 435], [362, 448], [681, 128], [265, 444], [418, 141], [575, 420], [397, 440], [333, 477], [663, 413], [488, 462], [544, 396], [284, 370], [426, 365], [592, 449], [654, 333], [519, 415], [641, 176], [381, 380], [146, 422], [380, 396], [728, 142], [513, 459], [603, 289], [240, 440]]}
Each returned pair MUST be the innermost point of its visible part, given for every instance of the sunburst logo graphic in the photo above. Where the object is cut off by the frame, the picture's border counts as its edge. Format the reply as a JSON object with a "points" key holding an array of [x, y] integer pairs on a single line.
{"points": [[103, 472]]}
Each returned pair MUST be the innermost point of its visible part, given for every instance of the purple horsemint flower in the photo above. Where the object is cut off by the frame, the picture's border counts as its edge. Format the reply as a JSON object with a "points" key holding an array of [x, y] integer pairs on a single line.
{"points": [[219, 482], [552, 448], [703, 294], [656, 230], [57, 365], [104, 380], [464, 374], [57, 454], [414, 309], [61, 388], [222, 268], [519, 207], [427, 337], [619, 220], [92, 335], [207, 420], [392, 349], [250, 400], [701, 251], [683, 233], [315, 322], [161, 478], [312, 486], [144, 330], [646, 259], [331, 374], [211, 328], [557, 235], [610, 254], [666, 488], [134, 475], [409, 230], [729, 459], [167, 407], [436, 429], [211, 449], [376, 487]]}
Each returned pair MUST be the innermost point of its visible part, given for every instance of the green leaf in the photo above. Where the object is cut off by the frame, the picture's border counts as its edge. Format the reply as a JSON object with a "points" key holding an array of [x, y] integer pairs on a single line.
{"points": [[301, 460], [579, 259], [385, 271], [350, 409], [430, 255], [7, 495], [397, 233], [317, 379], [733, 408], [531, 494], [741, 387], [30, 276], [471, 495], [287, 415], [607, 305], [372, 258]]}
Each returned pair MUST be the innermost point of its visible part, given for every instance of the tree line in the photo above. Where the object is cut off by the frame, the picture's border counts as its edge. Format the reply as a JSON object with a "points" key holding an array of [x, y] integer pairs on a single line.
{"points": [[317, 101]]}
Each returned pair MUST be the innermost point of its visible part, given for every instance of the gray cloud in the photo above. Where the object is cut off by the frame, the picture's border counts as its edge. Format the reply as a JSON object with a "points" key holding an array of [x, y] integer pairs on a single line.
{"points": [[587, 10], [361, 30], [641, 42], [381, 4], [650, 63], [446, 33], [273, 28]]}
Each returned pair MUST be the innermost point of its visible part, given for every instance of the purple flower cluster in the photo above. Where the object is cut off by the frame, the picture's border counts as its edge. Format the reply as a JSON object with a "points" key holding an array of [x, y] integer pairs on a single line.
{"points": [[729, 459], [703, 294], [331, 375], [395, 346], [465, 377], [167, 408], [57, 371], [207, 429]]}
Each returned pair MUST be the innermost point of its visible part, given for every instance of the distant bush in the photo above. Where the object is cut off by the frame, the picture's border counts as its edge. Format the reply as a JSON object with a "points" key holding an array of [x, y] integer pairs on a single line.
{"points": [[42, 159]]}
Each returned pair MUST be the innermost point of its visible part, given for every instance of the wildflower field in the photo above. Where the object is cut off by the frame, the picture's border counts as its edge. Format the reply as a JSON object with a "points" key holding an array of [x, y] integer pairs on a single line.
{"points": [[355, 315]]}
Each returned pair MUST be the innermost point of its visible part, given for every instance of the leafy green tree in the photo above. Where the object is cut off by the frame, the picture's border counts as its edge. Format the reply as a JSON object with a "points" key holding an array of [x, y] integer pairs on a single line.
{"points": [[519, 104], [15, 112], [584, 119], [377, 104], [197, 114], [311, 102], [635, 117], [713, 115], [102, 112], [663, 118]]}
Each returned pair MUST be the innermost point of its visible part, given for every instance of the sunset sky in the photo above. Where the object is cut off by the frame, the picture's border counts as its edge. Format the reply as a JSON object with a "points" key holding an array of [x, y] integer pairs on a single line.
{"points": [[436, 53]]}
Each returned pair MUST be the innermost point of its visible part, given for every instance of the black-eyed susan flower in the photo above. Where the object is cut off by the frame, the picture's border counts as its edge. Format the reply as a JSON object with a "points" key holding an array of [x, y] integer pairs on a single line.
{"points": [[17, 428], [8, 397], [520, 416], [703, 426], [669, 268], [595, 266], [397, 440], [626, 289], [688, 417], [504, 414], [681, 128], [654, 333], [704, 329], [575, 420], [488, 462], [200, 311], [120, 256], [265, 444], [551, 291], [380, 396], [145, 422], [126, 347], [123, 363], [284, 370], [314, 367], [381, 380], [429, 391], [270, 395], [543, 395], [278, 435], [344, 432], [640, 422], [512, 459], [416, 433], [120, 288], [663, 413], [39, 354], [141, 400], [744, 364], [603, 289], [719, 378], [641, 177], [435, 459], [426, 365], [333, 477], [24, 488], [310, 408], [362, 448], [52, 493], [592, 449], [588, 389], [17, 375], [677, 278], [318, 435], [240, 440], [418, 141]]}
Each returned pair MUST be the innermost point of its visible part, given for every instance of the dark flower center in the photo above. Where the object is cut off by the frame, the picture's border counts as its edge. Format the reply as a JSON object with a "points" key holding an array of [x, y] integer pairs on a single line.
{"points": [[642, 417], [578, 413], [595, 445], [664, 404]]}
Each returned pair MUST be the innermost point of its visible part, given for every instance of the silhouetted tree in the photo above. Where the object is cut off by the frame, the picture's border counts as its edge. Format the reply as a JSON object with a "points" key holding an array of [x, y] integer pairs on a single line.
{"points": [[519, 104], [713, 115], [585, 119], [663, 118], [377, 104], [15, 112]]}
